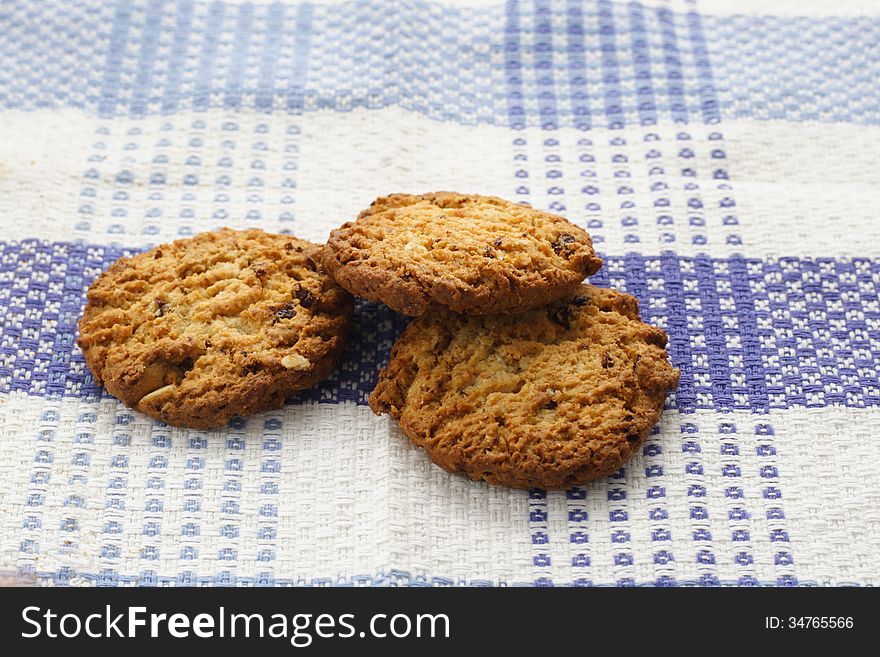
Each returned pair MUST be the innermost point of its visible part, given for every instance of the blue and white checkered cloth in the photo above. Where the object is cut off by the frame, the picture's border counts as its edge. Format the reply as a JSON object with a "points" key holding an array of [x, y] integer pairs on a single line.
{"points": [[724, 160]]}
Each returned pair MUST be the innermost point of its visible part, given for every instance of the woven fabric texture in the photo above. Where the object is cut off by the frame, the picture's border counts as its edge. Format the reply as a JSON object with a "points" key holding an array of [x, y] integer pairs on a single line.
{"points": [[722, 155]]}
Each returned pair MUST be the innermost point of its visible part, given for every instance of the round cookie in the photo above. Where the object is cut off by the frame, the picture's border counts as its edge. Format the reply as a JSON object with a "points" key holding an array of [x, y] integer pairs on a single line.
{"points": [[225, 323], [548, 399], [473, 254]]}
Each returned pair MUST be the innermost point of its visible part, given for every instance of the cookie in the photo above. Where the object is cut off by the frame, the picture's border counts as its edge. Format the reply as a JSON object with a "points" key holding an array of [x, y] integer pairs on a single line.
{"points": [[551, 398], [225, 323], [472, 254]]}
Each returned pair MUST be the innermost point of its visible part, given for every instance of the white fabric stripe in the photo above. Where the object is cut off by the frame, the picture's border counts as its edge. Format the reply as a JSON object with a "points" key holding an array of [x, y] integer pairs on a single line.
{"points": [[836, 515], [805, 188], [345, 477], [782, 8], [347, 160], [830, 497], [67, 176]]}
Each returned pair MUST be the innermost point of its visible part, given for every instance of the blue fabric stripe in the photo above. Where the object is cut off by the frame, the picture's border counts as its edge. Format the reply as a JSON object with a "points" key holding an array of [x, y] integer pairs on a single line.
{"points": [[235, 81], [707, 92], [674, 68], [513, 66], [271, 52], [776, 333], [115, 62], [543, 54], [748, 332], [296, 89], [715, 334], [538, 515], [787, 68], [677, 324], [148, 61], [577, 67], [645, 99], [610, 70], [204, 78], [178, 66], [797, 69]]}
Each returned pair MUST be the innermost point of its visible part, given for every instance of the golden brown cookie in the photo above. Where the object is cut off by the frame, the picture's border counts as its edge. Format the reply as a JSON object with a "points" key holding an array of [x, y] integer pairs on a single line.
{"points": [[474, 254], [225, 323], [551, 398]]}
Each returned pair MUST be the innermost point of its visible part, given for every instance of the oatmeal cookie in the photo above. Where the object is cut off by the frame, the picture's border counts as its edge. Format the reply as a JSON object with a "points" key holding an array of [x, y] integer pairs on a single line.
{"points": [[551, 398], [472, 254], [225, 323]]}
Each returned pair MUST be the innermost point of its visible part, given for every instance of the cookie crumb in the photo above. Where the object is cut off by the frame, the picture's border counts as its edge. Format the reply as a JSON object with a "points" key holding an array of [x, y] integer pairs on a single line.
{"points": [[415, 247]]}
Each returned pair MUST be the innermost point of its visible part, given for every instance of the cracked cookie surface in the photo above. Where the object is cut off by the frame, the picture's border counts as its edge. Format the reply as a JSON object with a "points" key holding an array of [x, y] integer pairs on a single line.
{"points": [[551, 398], [225, 323], [473, 254]]}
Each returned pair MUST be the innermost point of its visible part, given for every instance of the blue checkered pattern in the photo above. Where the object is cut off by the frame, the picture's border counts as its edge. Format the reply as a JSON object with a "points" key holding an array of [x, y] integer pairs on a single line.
{"points": [[746, 333], [653, 125], [548, 63]]}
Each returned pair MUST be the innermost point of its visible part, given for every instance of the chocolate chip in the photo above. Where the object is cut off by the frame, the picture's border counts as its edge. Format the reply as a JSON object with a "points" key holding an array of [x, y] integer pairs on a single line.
{"points": [[488, 253], [580, 301], [253, 368], [161, 307], [208, 344], [157, 254], [607, 361], [563, 243], [286, 311], [306, 298], [561, 316], [550, 405], [633, 437], [498, 242]]}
